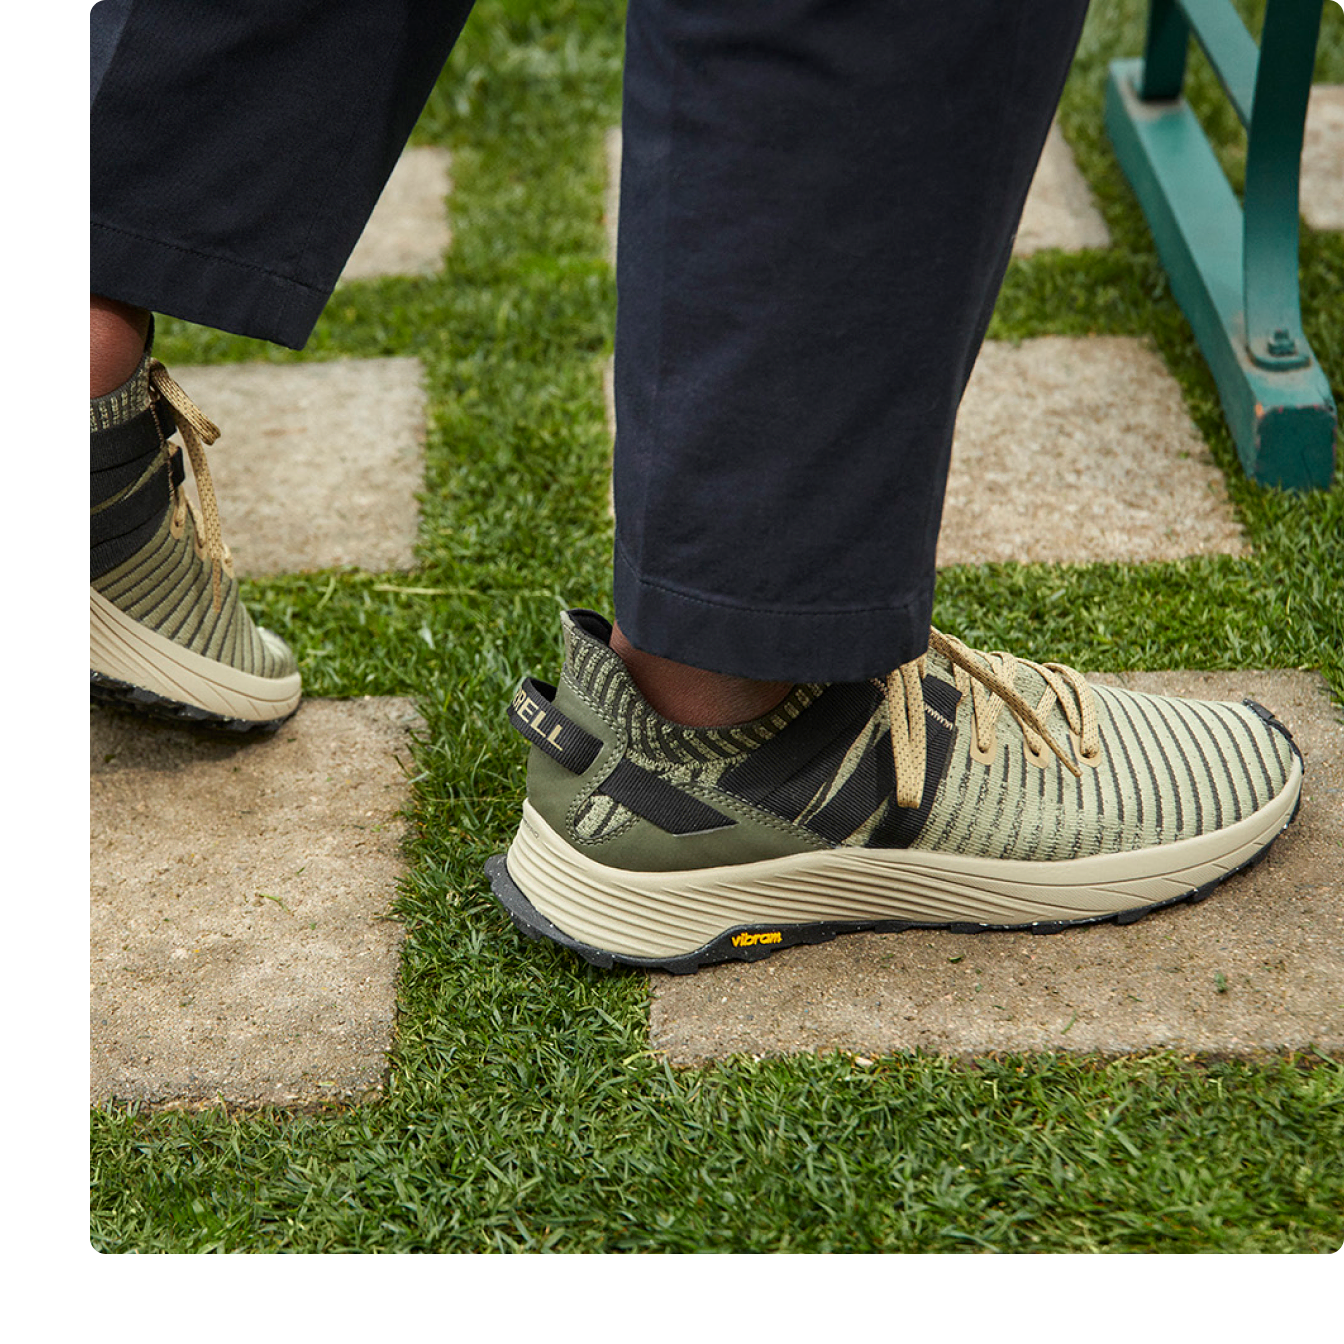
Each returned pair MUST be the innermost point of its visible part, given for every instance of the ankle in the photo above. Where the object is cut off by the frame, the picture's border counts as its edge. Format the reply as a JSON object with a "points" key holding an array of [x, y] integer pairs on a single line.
{"points": [[693, 697], [117, 336]]}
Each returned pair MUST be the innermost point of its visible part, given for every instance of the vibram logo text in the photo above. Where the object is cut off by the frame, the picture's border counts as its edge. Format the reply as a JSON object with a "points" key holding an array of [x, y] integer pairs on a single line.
{"points": [[751, 939]]}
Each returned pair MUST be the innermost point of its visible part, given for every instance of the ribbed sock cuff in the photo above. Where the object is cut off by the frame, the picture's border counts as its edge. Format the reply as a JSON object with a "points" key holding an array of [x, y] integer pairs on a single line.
{"points": [[124, 403]]}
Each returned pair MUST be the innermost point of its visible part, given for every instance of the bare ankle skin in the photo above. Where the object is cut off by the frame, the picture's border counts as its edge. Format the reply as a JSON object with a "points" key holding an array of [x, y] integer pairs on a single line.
{"points": [[691, 696], [117, 334]]}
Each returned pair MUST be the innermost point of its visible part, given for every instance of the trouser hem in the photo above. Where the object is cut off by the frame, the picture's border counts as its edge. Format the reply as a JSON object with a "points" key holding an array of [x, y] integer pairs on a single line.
{"points": [[195, 286], [770, 644]]}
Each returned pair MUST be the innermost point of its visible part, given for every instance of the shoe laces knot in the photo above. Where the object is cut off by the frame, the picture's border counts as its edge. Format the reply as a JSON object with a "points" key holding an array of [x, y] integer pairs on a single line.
{"points": [[990, 679], [196, 431]]}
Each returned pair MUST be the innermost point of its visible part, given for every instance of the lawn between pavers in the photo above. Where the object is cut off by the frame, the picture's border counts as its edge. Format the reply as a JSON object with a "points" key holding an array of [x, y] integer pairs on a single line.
{"points": [[523, 1109]]}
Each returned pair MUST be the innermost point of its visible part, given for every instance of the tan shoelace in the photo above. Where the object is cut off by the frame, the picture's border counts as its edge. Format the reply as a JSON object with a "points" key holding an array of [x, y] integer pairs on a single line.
{"points": [[990, 680], [196, 432]]}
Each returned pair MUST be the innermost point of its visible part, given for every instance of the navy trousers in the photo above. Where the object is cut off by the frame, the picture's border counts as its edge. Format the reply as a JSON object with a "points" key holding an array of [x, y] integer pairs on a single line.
{"points": [[818, 201]]}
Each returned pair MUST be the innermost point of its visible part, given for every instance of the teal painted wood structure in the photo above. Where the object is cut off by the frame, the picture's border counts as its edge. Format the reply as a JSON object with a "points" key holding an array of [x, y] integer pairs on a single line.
{"points": [[1234, 269]]}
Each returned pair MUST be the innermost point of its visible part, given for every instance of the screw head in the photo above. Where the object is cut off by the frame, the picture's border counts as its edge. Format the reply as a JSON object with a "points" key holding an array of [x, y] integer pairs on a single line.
{"points": [[1281, 343]]}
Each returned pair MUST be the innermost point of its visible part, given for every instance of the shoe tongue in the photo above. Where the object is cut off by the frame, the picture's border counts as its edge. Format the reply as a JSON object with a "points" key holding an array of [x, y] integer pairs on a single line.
{"points": [[940, 666]]}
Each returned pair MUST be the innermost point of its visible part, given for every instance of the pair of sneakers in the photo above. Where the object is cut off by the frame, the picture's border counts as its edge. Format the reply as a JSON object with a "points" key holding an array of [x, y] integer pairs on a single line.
{"points": [[966, 791]]}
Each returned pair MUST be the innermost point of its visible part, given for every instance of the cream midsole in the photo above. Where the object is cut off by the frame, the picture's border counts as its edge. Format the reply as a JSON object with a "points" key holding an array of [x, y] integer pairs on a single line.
{"points": [[661, 914], [121, 647]]}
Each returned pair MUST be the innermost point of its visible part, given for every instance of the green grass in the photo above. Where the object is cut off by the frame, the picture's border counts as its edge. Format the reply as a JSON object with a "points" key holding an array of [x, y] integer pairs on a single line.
{"points": [[523, 1108]]}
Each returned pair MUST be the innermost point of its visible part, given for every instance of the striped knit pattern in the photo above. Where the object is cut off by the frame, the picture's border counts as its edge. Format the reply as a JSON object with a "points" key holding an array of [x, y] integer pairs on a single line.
{"points": [[166, 587], [599, 675], [1170, 769], [599, 816]]}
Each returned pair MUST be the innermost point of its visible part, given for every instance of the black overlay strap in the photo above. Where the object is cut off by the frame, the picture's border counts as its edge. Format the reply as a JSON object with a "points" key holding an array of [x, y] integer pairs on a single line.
{"points": [[784, 774], [130, 489], [650, 796]]}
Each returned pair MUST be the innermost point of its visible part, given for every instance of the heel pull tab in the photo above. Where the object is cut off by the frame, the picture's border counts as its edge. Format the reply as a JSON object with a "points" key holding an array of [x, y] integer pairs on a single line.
{"points": [[534, 715]]}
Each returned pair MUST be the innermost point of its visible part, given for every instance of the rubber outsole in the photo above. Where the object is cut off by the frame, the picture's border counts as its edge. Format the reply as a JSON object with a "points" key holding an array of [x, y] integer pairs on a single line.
{"points": [[122, 695], [136, 668], [752, 942]]}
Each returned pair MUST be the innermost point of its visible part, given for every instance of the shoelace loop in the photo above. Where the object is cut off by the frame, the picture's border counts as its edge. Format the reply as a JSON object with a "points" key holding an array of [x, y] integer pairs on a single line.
{"points": [[990, 679], [196, 430]]}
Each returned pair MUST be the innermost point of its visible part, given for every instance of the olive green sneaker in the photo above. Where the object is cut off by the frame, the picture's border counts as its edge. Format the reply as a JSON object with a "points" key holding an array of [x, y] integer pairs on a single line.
{"points": [[1011, 795], [167, 633]]}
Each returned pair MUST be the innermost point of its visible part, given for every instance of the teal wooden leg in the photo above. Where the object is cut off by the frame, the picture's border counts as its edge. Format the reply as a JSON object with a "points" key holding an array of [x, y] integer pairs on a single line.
{"points": [[1273, 156], [1235, 276], [1164, 52]]}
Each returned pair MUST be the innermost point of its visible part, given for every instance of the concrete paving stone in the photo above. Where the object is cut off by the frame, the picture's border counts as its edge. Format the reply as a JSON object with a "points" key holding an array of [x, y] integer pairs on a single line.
{"points": [[1321, 187], [1275, 936], [1059, 210], [240, 949], [316, 464], [408, 232], [1076, 449], [612, 144]]}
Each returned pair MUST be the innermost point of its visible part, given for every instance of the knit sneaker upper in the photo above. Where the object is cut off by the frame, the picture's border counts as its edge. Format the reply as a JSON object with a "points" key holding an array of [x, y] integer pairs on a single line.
{"points": [[147, 553], [820, 764]]}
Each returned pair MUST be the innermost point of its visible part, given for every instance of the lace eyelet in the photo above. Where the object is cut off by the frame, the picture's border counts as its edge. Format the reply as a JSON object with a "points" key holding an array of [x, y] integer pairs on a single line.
{"points": [[1040, 759], [986, 757], [1091, 761]]}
